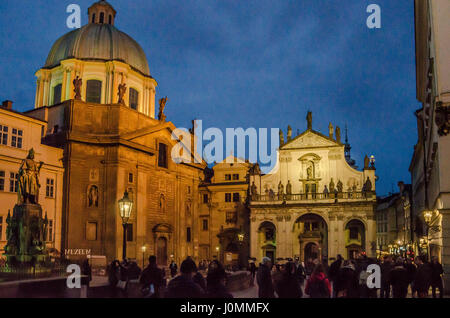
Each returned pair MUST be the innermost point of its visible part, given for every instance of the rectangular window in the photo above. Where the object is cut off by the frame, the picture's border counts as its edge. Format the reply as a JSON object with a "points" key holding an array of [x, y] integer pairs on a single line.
{"points": [[162, 155], [1, 227], [236, 176], [50, 188], [50, 230], [91, 231], [188, 234], [13, 181], [3, 135], [205, 225], [129, 232], [57, 94], [231, 217], [134, 98], [2, 180], [130, 178], [205, 198], [235, 197], [93, 91], [227, 177], [227, 197], [16, 138]]}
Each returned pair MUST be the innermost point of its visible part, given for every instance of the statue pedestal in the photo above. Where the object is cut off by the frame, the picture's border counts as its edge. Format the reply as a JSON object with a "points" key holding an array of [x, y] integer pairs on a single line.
{"points": [[27, 228]]}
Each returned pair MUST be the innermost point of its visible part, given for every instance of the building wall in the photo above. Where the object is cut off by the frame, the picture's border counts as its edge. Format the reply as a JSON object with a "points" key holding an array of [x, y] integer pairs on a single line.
{"points": [[10, 161], [429, 166], [324, 157], [223, 231], [103, 144]]}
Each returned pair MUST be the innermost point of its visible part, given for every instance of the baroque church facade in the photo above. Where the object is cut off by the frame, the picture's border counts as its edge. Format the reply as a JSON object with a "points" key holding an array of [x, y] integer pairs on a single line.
{"points": [[314, 203], [96, 93]]}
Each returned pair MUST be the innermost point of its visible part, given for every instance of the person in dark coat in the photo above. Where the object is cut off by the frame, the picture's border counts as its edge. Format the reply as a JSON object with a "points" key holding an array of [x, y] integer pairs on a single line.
{"points": [[87, 271], [252, 270], [134, 271], [216, 283], [288, 285], [113, 277], [334, 270], [152, 275], [173, 269], [386, 268], [411, 270], [436, 277], [346, 284], [199, 279], [399, 280], [183, 286], [422, 280], [264, 279], [318, 285]]}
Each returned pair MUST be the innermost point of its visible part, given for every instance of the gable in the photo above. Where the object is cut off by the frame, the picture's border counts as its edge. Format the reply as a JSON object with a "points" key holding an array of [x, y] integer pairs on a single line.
{"points": [[310, 139]]}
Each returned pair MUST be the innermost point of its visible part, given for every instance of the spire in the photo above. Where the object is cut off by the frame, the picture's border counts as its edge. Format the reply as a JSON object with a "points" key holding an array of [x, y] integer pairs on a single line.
{"points": [[347, 149]]}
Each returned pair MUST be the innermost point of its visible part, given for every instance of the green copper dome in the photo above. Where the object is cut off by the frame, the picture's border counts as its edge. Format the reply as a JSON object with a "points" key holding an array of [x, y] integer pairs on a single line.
{"points": [[98, 42]]}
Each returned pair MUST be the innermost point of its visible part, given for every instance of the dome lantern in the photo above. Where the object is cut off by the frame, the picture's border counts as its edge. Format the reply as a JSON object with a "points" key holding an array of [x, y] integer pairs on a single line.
{"points": [[101, 12]]}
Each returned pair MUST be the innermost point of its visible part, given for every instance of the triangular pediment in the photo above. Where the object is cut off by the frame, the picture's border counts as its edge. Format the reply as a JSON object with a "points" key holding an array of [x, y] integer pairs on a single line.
{"points": [[310, 139]]}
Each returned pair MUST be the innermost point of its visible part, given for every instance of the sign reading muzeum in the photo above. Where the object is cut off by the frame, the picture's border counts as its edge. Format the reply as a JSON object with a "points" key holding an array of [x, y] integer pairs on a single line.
{"points": [[314, 204]]}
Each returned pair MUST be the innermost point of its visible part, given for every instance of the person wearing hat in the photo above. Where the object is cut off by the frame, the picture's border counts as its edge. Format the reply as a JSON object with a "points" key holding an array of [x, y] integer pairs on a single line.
{"points": [[264, 279], [183, 286]]}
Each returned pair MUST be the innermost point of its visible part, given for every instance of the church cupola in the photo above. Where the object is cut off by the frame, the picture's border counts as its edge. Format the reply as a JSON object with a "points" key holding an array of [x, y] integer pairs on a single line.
{"points": [[101, 12]]}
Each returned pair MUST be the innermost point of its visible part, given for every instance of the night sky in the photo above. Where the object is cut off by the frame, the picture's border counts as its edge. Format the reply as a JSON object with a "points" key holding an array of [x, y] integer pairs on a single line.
{"points": [[253, 63]]}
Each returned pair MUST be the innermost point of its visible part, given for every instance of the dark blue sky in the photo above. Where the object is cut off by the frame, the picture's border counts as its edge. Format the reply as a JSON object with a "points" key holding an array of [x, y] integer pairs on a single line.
{"points": [[253, 63]]}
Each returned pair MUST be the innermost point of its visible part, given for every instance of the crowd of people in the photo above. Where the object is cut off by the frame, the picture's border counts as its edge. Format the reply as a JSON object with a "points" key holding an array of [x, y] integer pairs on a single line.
{"points": [[287, 279], [190, 282], [348, 278]]}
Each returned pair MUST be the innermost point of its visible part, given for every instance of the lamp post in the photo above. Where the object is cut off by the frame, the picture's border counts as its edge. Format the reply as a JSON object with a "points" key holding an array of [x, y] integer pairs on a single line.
{"points": [[125, 207], [427, 215], [143, 248]]}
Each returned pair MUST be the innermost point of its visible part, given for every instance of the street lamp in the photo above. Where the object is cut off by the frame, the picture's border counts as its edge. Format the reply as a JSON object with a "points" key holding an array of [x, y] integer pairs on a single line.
{"points": [[241, 237], [427, 215], [125, 207], [143, 248]]}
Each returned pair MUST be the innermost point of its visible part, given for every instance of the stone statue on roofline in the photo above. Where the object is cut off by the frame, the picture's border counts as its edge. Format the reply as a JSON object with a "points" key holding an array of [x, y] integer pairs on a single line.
{"points": [[162, 105], [309, 120], [77, 83]]}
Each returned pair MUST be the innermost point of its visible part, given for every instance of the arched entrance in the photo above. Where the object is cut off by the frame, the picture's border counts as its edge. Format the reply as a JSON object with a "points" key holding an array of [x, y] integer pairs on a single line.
{"points": [[311, 230], [355, 238], [267, 240]]}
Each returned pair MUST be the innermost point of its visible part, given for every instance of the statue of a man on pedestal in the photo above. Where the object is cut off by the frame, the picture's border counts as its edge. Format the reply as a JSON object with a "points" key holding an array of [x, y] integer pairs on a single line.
{"points": [[28, 183]]}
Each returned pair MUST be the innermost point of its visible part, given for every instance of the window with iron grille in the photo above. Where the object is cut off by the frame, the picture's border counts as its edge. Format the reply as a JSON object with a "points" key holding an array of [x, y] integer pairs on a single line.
{"points": [[235, 197], [228, 177], [205, 225], [236, 176], [205, 198], [227, 197]]}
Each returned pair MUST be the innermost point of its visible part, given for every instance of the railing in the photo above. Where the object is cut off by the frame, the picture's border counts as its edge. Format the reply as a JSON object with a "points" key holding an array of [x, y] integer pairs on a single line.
{"points": [[313, 196], [28, 271]]}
